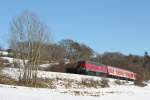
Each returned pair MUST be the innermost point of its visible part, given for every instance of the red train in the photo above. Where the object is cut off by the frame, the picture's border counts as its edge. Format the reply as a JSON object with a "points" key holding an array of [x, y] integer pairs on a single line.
{"points": [[91, 68]]}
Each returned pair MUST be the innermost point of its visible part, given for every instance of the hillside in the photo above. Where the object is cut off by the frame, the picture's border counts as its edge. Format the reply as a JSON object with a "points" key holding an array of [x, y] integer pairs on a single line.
{"points": [[65, 86]]}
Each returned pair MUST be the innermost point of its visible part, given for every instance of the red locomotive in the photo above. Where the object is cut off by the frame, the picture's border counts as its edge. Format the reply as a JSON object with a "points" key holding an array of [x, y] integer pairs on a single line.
{"points": [[91, 68]]}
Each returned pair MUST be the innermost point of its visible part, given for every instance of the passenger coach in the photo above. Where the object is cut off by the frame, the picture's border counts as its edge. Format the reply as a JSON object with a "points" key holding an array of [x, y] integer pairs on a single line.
{"points": [[95, 69]]}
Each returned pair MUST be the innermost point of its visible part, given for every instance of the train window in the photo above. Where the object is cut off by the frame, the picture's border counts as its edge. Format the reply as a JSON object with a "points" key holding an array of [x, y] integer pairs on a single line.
{"points": [[98, 73], [91, 73]]}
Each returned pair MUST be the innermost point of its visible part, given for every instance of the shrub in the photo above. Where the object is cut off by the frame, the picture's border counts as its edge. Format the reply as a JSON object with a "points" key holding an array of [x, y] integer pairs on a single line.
{"points": [[40, 83], [4, 60], [118, 82], [139, 82], [61, 67], [94, 83], [7, 80], [1, 54], [1, 64], [104, 82], [86, 82], [141, 77]]}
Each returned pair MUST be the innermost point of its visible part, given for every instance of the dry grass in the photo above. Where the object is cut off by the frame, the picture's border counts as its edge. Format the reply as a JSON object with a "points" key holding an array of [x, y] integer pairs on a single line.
{"points": [[104, 83], [7, 80], [118, 82]]}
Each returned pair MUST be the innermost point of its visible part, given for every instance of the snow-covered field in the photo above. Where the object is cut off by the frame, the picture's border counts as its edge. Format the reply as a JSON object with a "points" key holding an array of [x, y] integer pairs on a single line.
{"points": [[8, 92]]}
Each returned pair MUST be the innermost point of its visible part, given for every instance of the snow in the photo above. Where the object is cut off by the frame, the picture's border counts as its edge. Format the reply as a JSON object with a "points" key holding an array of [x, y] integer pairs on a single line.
{"points": [[11, 60], [4, 53], [21, 93], [44, 65], [125, 92], [47, 65], [8, 58]]}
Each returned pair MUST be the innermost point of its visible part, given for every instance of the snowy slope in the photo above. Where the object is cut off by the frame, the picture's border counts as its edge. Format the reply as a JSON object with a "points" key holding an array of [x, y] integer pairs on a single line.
{"points": [[62, 80], [114, 92], [126, 91]]}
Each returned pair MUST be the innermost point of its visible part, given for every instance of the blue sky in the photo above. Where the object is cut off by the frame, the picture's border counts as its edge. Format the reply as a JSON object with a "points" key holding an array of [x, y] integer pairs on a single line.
{"points": [[104, 25]]}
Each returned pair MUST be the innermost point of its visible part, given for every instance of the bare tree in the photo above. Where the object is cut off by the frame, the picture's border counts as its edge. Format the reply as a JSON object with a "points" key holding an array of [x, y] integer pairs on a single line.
{"points": [[52, 52], [76, 51], [67, 45], [28, 36], [57, 52]]}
